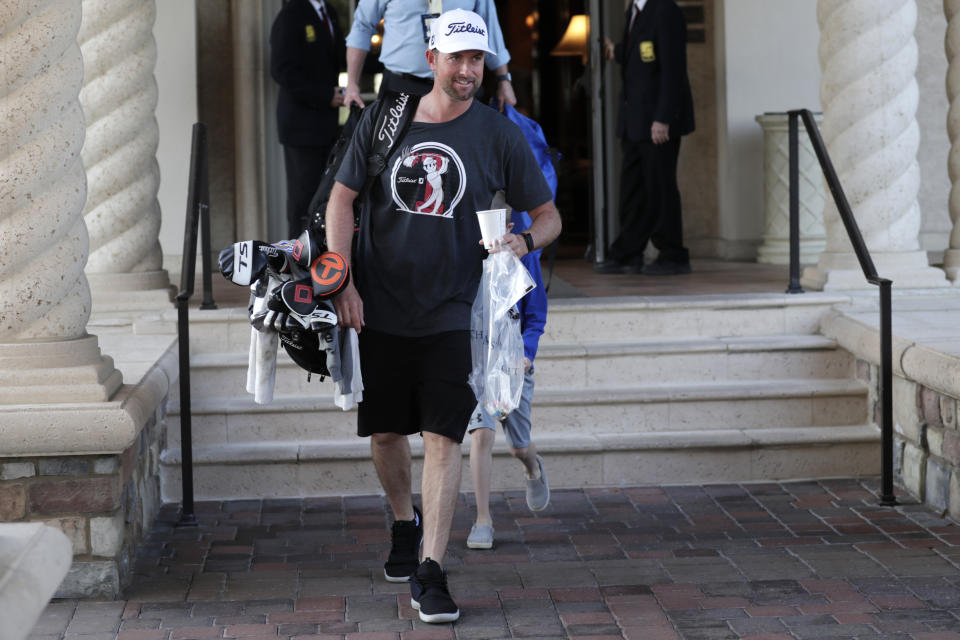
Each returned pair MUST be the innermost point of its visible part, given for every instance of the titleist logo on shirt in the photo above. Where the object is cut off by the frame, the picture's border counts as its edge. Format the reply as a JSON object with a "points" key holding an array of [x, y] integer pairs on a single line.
{"points": [[460, 27], [389, 127]]}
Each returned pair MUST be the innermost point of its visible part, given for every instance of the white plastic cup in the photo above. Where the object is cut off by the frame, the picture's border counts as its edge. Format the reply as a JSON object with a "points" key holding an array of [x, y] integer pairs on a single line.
{"points": [[493, 224]]}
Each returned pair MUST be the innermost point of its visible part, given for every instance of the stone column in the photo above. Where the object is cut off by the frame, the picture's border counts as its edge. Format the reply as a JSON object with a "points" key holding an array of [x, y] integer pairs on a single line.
{"points": [[45, 352], [951, 259], [868, 55], [119, 99]]}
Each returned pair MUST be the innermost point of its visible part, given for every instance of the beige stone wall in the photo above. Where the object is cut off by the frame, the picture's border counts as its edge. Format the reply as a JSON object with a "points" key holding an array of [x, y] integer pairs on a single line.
{"points": [[926, 439], [697, 168], [104, 504]]}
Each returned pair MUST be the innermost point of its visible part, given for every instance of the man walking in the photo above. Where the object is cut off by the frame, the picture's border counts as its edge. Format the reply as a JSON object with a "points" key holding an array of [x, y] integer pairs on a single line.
{"points": [[416, 274], [656, 109]]}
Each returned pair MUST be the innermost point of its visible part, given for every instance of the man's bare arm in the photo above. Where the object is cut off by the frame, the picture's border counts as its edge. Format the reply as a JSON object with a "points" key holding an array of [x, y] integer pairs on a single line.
{"points": [[544, 229], [339, 220], [355, 59]]}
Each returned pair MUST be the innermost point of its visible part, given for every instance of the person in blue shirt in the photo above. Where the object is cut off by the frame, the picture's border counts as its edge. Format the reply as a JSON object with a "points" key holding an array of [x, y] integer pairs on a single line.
{"points": [[405, 33], [517, 425]]}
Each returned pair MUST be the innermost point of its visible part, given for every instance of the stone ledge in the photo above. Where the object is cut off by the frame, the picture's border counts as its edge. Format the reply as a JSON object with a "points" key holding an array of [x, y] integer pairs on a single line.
{"points": [[34, 559], [89, 427], [925, 364]]}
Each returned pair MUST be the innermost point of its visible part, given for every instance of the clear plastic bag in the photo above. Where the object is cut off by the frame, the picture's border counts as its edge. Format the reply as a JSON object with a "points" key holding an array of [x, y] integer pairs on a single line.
{"points": [[496, 341]]}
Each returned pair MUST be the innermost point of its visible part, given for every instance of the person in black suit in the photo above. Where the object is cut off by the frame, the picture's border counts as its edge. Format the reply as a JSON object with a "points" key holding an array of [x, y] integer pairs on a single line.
{"points": [[307, 52], [656, 109]]}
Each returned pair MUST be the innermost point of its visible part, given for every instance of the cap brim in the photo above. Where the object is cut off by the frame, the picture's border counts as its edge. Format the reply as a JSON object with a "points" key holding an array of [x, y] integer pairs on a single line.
{"points": [[458, 50]]}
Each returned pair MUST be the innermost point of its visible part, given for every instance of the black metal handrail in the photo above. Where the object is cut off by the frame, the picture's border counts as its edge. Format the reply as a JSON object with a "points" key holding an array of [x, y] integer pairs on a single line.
{"points": [[198, 211], [887, 496]]}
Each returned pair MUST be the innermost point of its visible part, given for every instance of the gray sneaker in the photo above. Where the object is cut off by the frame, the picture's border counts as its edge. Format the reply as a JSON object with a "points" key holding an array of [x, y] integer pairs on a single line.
{"points": [[538, 491], [481, 537]]}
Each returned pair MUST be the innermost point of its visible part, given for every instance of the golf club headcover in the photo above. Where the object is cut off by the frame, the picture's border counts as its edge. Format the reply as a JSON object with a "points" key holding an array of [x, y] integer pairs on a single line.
{"points": [[297, 296], [306, 249], [330, 274], [243, 263]]}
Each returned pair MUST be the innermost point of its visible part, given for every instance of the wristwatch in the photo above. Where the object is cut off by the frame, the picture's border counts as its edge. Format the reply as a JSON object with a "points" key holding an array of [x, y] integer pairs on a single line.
{"points": [[506, 77], [529, 240]]}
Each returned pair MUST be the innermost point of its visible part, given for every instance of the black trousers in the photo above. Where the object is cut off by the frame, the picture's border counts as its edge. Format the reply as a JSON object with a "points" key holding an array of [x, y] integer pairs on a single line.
{"points": [[650, 202], [304, 166]]}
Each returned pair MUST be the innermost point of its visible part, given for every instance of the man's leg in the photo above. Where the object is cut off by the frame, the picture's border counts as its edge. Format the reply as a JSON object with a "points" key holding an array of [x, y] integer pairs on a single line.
{"points": [[528, 456], [391, 458], [440, 487], [481, 461], [517, 429], [634, 234], [304, 167], [668, 237]]}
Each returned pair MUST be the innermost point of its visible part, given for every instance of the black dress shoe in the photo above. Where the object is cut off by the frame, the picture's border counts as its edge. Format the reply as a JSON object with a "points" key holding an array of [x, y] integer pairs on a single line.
{"points": [[608, 266], [633, 265], [666, 268]]}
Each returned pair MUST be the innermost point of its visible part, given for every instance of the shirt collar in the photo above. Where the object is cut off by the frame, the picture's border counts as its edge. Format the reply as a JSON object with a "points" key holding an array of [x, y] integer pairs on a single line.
{"points": [[317, 4], [639, 4]]}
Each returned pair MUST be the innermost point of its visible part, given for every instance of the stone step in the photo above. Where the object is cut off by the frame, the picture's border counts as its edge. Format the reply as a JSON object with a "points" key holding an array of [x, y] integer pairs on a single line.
{"points": [[591, 365], [573, 460], [750, 404], [582, 320]]}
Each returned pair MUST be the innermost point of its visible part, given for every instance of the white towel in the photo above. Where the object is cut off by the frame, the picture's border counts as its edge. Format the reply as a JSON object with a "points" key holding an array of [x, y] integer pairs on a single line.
{"points": [[262, 360], [348, 386]]}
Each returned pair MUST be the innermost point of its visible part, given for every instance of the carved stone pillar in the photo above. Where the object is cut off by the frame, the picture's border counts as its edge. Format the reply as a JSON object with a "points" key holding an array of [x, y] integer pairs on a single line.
{"points": [[119, 99], [45, 352], [775, 248], [868, 56], [951, 259]]}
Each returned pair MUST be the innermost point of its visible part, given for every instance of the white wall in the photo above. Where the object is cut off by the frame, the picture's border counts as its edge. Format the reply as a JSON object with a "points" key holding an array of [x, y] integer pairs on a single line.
{"points": [[769, 61], [176, 73]]}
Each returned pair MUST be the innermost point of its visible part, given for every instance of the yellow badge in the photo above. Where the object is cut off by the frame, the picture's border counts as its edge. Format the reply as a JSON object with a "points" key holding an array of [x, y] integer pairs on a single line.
{"points": [[646, 51], [311, 33]]}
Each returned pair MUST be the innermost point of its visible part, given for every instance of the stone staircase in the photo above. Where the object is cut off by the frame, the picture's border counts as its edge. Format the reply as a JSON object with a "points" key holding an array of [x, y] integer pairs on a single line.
{"points": [[629, 391]]}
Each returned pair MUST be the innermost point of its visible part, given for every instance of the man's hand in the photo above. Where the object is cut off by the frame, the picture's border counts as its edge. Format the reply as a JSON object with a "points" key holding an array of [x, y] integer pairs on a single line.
{"points": [[514, 242], [352, 96], [349, 308], [659, 132], [337, 100], [608, 48], [505, 95], [526, 363]]}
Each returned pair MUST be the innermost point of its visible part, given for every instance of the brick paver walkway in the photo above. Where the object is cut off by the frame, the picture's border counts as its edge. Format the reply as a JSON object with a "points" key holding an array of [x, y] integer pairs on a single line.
{"points": [[759, 562]]}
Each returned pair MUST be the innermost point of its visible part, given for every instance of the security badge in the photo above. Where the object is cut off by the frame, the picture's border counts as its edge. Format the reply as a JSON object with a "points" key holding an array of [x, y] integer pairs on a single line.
{"points": [[311, 33], [646, 51], [434, 9]]}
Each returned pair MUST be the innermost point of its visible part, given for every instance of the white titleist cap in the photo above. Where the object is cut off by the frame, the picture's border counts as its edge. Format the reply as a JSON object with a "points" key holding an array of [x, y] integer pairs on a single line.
{"points": [[459, 30]]}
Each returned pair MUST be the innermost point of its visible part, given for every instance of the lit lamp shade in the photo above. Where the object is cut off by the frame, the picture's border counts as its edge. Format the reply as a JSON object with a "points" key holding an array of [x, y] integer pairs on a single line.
{"points": [[574, 40]]}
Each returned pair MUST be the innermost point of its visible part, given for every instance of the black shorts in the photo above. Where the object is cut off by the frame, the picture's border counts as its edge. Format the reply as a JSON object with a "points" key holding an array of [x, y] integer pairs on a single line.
{"points": [[415, 384]]}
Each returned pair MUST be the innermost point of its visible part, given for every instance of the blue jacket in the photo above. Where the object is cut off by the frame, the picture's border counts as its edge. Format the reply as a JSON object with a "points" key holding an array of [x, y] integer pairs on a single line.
{"points": [[533, 306]]}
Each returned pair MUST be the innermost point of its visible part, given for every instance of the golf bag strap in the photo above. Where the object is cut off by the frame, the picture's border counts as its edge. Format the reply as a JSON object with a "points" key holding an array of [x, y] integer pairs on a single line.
{"points": [[394, 115]]}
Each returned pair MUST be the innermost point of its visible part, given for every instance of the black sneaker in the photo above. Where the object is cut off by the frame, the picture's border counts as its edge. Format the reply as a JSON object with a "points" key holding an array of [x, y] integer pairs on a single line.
{"points": [[429, 594], [405, 537]]}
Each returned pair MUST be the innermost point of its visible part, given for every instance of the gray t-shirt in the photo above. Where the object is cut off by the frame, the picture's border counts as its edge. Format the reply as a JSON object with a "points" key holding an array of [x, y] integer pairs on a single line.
{"points": [[418, 259]]}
